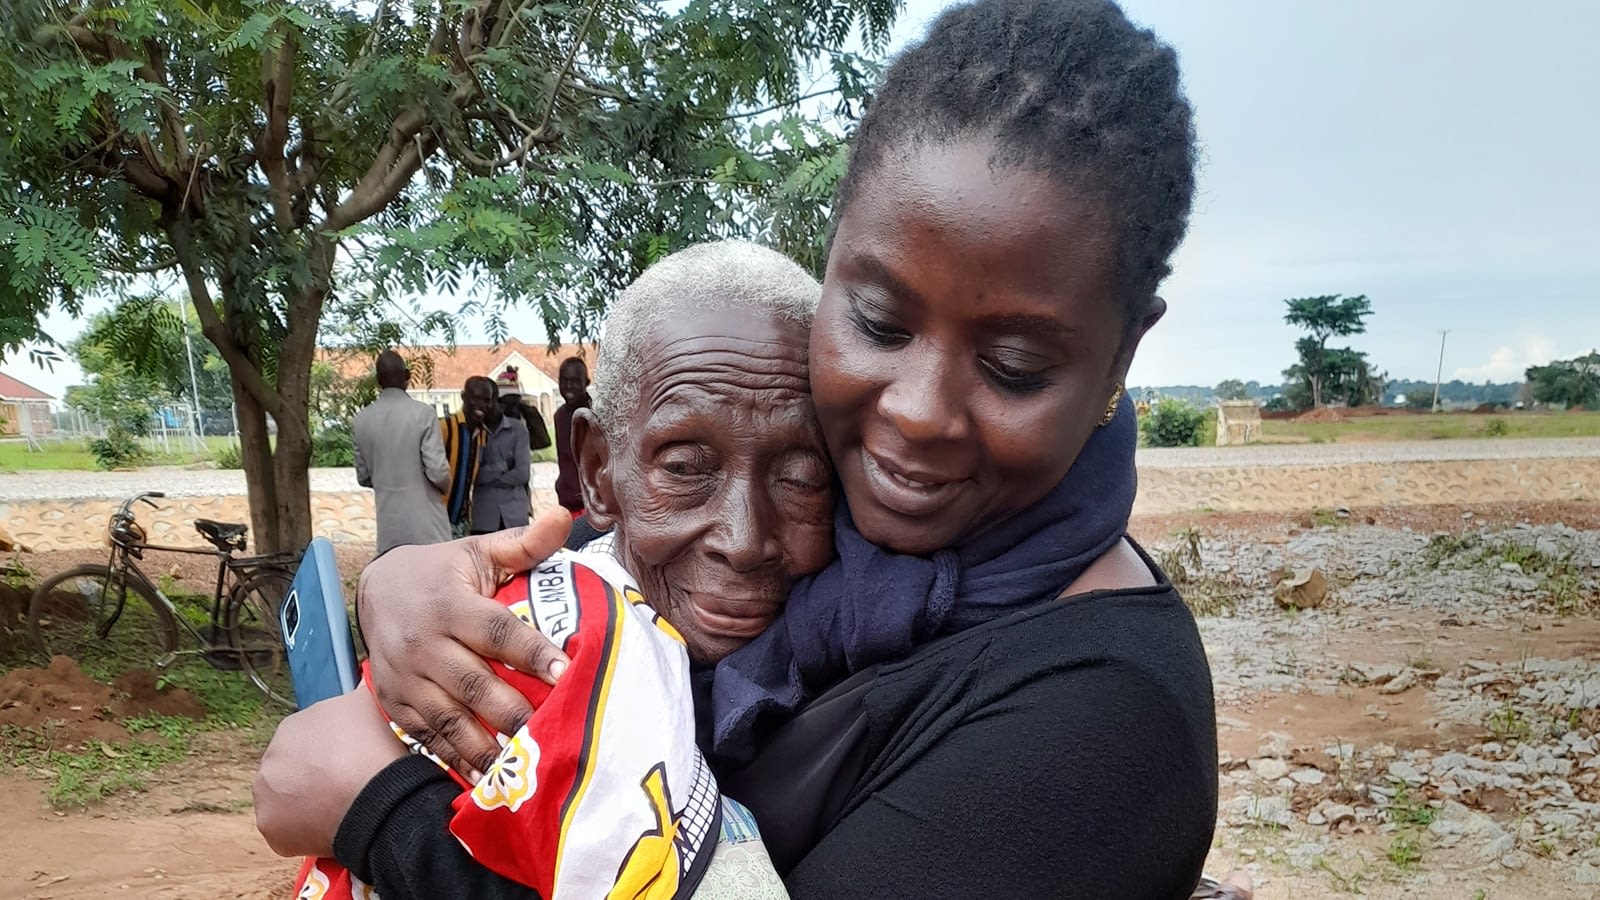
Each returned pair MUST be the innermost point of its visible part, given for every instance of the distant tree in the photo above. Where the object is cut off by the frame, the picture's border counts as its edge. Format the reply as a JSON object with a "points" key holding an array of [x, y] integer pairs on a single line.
{"points": [[1324, 317], [1232, 389], [1171, 422], [146, 334], [1419, 399], [1567, 382], [1347, 379]]}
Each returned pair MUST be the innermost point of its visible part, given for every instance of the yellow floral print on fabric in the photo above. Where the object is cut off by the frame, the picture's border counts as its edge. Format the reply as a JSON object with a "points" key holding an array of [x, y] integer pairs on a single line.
{"points": [[511, 780], [523, 610], [316, 886]]}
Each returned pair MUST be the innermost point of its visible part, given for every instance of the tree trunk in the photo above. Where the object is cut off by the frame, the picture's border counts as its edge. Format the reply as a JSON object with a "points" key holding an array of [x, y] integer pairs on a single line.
{"points": [[292, 457], [255, 453], [291, 465]]}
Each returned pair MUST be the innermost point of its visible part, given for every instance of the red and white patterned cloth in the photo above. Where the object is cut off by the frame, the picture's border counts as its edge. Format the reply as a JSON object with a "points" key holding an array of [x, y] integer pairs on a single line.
{"points": [[603, 794]]}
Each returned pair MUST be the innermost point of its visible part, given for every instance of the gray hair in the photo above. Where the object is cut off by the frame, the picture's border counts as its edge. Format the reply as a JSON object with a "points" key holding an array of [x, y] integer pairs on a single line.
{"points": [[723, 275]]}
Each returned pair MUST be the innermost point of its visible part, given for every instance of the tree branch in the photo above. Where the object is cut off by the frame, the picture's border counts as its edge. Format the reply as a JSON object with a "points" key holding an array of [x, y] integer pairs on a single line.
{"points": [[216, 331], [566, 66], [149, 268], [277, 83], [767, 109]]}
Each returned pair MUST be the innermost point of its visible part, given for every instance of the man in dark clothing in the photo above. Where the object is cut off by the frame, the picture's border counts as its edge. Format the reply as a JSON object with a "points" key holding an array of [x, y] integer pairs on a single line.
{"points": [[500, 487], [574, 386]]}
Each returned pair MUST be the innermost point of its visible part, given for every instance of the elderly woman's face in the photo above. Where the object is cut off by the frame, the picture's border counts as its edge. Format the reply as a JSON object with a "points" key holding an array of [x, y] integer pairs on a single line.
{"points": [[722, 491], [968, 341]]}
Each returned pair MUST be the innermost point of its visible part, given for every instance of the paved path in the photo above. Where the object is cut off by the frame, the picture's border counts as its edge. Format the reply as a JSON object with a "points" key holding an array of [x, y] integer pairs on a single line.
{"points": [[219, 483]]}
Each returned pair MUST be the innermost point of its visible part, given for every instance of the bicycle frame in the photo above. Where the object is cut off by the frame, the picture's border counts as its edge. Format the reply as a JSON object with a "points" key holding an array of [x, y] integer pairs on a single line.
{"points": [[123, 561]]}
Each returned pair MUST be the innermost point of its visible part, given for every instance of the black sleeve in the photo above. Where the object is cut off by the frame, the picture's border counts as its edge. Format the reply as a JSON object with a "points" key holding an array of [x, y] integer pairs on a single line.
{"points": [[1085, 787], [396, 838]]}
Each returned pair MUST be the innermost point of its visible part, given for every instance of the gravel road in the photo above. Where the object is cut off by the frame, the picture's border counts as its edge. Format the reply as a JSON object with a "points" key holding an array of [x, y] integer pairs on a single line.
{"points": [[179, 482], [1275, 455], [176, 482]]}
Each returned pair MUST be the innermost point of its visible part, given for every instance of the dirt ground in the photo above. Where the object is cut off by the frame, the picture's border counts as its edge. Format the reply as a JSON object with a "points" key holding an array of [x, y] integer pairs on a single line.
{"points": [[1285, 696]]}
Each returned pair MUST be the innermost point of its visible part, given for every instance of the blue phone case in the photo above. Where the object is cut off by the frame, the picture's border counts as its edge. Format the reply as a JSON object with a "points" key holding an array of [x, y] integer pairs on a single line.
{"points": [[316, 630]]}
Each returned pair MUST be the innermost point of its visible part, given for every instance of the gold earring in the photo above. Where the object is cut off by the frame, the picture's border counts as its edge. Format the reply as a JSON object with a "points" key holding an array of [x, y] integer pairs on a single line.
{"points": [[1111, 408]]}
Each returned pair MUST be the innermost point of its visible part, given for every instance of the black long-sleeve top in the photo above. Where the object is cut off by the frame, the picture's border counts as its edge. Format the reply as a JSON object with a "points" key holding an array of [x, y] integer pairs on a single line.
{"points": [[1064, 751]]}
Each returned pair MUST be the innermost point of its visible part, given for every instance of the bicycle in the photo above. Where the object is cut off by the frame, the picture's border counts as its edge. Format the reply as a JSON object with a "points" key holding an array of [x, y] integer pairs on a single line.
{"points": [[75, 612]]}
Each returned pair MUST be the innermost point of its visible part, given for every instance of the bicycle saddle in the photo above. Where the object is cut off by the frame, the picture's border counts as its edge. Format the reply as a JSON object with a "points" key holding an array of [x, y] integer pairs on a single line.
{"points": [[222, 535]]}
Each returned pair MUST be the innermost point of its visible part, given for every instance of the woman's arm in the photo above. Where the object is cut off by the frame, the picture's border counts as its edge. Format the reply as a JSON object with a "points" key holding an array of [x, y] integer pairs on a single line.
{"points": [[1081, 787], [397, 839]]}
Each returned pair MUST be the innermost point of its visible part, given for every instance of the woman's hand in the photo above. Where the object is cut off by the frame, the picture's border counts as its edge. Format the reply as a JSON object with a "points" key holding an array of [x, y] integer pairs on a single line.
{"points": [[428, 619], [319, 760]]}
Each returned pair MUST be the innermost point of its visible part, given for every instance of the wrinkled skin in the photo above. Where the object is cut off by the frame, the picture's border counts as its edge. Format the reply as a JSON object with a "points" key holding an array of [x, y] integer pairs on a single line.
{"points": [[722, 494], [969, 340]]}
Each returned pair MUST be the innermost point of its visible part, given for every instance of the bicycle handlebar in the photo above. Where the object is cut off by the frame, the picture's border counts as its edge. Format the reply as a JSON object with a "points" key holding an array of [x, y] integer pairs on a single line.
{"points": [[122, 511]]}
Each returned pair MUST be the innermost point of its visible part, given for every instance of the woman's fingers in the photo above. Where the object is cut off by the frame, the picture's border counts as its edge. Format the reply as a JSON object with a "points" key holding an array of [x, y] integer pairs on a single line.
{"points": [[515, 550], [496, 633]]}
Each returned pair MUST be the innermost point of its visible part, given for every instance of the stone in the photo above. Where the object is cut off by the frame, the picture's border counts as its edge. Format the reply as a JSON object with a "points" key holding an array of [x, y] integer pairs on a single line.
{"points": [[1376, 673], [1271, 811], [1499, 846], [1407, 773], [1305, 589], [1273, 743], [1316, 818], [1401, 683], [1586, 874], [1338, 812], [1268, 768], [1308, 776]]}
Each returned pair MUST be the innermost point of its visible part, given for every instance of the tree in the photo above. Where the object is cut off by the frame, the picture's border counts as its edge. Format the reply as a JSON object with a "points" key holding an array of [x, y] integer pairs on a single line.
{"points": [[146, 335], [1232, 389], [1325, 317], [536, 152], [1171, 422], [1347, 378], [1567, 382]]}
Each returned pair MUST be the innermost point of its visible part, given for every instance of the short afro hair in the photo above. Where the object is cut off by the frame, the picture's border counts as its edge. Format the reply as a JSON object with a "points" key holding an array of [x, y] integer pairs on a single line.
{"points": [[1070, 87]]}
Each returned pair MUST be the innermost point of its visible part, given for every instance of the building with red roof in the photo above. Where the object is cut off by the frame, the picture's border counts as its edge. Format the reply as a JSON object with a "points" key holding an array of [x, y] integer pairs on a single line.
{"points": [[24, 409]]}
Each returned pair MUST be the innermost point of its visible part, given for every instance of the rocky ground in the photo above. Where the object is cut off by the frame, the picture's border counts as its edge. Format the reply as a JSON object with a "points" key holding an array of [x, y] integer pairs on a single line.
{"points": [[1430, 729]]}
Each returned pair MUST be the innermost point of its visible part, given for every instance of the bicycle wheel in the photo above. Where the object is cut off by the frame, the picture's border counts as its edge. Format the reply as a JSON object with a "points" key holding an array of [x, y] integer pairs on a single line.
{"points": [[253, 633], [93, 617]]}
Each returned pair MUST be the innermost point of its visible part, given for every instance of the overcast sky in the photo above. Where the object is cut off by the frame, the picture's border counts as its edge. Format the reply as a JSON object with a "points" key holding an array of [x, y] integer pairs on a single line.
{"points": [[1439, 157]]}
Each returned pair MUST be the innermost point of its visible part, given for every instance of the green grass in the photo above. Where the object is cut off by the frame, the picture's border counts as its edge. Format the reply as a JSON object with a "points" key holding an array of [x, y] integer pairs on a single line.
{"points": [[16, 456], [90, 773], [1442, 426]]}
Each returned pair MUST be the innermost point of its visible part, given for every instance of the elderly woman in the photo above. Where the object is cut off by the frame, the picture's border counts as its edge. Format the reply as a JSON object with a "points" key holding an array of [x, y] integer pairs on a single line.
{"points": [[991, 692], [704, 452]]}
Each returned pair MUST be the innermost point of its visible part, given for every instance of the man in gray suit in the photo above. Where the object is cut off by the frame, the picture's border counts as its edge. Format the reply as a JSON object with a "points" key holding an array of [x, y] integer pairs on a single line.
{"points": [[400, 455], [500, 490]]}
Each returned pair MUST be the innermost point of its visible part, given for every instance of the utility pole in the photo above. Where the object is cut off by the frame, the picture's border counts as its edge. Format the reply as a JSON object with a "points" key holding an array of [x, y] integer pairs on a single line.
{"points": [[1438, 377], [197, 425]]}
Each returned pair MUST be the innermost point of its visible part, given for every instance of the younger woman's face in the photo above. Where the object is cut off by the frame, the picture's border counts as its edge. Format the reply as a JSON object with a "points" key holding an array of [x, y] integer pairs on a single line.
{"points": [[968, 340]]}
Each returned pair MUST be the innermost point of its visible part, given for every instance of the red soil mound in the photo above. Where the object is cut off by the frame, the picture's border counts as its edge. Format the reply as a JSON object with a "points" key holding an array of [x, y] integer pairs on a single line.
{"points": [[1325, 414], [81, 709]]}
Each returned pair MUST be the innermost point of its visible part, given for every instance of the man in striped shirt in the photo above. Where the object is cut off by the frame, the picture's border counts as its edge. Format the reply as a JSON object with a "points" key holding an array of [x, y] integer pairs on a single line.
{"points": [[464, 435]]}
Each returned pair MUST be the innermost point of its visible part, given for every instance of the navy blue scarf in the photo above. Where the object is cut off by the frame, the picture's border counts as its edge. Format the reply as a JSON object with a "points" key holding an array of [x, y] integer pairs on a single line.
{"points": [[873, 606]]}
